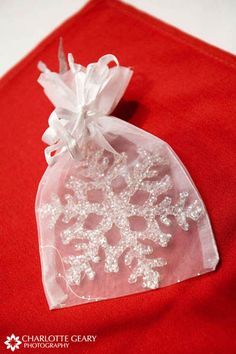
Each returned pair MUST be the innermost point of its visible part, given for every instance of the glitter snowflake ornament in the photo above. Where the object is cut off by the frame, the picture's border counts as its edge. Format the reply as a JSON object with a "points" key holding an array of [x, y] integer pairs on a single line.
{"points": [[117, 212]]}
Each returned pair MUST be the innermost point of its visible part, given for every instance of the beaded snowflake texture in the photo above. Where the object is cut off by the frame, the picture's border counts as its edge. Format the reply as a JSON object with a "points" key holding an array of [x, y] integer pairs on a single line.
{"points": [[117, 212]]}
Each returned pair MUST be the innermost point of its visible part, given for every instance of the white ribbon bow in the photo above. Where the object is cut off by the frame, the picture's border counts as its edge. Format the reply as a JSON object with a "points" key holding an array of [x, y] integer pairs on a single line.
{"points": [[80, 96]]}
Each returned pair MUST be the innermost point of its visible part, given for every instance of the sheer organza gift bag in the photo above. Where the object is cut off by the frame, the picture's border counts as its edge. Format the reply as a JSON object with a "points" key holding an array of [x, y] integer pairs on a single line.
{"points": [[117, 212]]}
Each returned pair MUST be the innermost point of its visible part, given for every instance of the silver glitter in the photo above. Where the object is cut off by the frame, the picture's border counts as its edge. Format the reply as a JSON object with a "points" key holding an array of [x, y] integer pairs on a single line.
{"points": [[106, 187]]}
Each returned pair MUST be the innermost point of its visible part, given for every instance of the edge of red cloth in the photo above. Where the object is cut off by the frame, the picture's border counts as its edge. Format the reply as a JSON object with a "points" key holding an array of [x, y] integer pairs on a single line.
{"points": [[171, 31]]}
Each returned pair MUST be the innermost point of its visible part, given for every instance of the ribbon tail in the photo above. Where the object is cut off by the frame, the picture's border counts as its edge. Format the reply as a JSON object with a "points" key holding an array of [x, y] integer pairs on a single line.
{"points": [[61, 58], [98, 136]]}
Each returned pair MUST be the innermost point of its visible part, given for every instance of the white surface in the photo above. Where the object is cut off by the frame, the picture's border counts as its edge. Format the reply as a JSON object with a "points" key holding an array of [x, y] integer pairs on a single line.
{"points": [[24, 23]]}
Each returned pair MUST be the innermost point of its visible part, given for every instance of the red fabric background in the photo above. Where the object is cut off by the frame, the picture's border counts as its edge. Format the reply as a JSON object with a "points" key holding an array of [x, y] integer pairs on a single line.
{"points": [[183, 91]]}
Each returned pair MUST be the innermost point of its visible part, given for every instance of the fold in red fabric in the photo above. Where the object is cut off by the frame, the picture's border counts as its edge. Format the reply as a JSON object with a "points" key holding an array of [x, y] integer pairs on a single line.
{"points": [[183, 91]]}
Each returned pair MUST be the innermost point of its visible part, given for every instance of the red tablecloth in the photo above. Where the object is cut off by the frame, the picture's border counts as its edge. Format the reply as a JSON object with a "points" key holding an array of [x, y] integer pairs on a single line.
{"points": [[183, 91]]}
